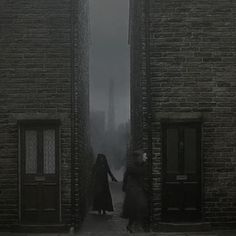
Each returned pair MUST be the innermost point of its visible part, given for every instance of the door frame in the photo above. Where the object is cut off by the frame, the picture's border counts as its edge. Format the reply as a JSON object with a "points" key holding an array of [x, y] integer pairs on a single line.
{"points": [[21, 125], [182, 122]]}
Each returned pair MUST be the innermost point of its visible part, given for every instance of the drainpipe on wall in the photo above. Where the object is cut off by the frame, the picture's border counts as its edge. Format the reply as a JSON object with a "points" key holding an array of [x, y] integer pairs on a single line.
{"points": [[73, 25], [149, 103]]}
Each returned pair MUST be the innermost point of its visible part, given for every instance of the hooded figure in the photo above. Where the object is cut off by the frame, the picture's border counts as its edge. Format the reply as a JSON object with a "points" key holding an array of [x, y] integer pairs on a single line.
{"points": [[135, 206], [102, 200]]}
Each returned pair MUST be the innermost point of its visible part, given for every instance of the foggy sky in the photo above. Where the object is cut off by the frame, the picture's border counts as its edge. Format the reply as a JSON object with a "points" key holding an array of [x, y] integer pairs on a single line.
{"points": [[109, 55]]}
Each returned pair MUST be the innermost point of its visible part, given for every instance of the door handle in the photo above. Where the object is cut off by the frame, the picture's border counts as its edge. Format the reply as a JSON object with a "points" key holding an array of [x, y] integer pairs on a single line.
{"points": [[181, 177], [181, 146], [39, 178]]}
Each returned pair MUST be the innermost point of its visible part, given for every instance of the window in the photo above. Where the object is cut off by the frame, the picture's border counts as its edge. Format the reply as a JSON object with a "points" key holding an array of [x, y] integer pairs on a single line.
{"points": [[49, 151], [39, 147], [31, 154]]}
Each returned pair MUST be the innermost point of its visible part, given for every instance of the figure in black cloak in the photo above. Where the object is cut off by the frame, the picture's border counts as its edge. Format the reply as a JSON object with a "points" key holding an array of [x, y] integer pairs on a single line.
{"points": [[135, 206], [102, 200]]}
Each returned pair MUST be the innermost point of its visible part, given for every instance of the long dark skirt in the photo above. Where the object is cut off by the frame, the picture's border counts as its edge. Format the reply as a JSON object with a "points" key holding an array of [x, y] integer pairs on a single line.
{"points": [[135, 205], [102, 198]]}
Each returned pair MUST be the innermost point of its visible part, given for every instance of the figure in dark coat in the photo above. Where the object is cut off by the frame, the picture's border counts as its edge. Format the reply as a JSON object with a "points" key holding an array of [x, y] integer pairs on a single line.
{"points": [[135, 206], [102, 200]]}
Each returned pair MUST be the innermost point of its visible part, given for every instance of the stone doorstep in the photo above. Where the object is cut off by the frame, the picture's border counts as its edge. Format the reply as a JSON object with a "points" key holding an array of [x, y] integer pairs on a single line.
{"points": [[145, 234], [112, 233], [185, 227]]}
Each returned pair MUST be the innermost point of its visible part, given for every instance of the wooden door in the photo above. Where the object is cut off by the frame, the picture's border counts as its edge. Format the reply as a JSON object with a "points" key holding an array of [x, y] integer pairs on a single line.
{"points": [[181, 172], [39, 175]]}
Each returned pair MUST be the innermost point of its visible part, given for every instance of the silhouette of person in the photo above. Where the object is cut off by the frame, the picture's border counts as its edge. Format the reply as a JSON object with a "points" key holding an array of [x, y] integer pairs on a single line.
{"points": [[102, 200], [135, 206]]}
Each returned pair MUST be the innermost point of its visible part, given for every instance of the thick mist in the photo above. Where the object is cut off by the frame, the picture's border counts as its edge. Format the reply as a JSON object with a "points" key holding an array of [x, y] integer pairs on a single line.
{"points": [[109, 56], [109, 64]]}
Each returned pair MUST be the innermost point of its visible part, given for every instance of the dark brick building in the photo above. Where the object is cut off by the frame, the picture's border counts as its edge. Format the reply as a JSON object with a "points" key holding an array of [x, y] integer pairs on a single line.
{"points": [[183, 106], [43, 112]]}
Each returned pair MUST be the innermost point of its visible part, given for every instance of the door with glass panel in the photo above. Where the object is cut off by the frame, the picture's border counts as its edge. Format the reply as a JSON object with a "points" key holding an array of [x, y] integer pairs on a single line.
{"points": [[181, 199], [39, 174]]}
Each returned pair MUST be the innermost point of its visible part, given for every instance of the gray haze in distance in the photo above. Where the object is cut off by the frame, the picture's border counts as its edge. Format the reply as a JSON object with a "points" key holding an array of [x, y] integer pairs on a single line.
{"points": [[109, 56]]}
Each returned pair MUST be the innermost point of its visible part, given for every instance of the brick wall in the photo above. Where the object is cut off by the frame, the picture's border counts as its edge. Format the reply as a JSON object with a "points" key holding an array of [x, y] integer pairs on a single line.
{"points": [[37, 70], [82, 161], [192, 64], [138, 79]]}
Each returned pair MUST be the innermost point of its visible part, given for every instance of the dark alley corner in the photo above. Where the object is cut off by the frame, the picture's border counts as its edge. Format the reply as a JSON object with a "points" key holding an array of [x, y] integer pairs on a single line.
{"points": [[118, 117]]}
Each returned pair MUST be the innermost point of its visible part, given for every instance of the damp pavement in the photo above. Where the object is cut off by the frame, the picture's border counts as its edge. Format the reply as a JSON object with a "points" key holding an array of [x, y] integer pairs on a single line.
{"points": [[112, 224]]}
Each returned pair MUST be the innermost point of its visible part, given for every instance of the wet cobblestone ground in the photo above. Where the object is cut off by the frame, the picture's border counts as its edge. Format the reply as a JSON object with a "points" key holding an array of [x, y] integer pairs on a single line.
{"points": [[112, 222], [113, 225]]}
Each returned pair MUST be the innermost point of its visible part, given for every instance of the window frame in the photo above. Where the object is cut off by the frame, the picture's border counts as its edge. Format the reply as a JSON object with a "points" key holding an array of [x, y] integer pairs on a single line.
{"points": [[165, 124], [22, 125]]}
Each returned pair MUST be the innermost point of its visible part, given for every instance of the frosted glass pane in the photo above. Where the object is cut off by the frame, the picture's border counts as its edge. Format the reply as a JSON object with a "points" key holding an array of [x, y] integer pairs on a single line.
{"points": [[190, 150], [172, 150], [49, 151], [30, 152]]}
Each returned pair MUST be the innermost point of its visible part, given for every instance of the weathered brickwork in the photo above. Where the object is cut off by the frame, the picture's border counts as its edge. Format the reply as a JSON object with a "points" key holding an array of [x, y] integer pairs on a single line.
{"points": [[82, 161], [138, 81], [192, 65], [43, 75]]}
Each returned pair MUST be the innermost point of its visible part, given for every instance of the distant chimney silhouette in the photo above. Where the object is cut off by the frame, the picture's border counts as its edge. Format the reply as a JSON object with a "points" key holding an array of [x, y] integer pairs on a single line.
{"points": [[111, 109]]}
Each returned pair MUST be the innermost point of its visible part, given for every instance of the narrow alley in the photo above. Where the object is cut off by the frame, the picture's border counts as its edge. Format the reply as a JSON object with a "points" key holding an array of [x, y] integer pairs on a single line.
{"points": [[112, 224]]}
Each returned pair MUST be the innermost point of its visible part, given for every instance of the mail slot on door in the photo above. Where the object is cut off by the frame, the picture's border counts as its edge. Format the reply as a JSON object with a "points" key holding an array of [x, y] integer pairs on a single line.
{"points": [[39, 178], [181, 177]]}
